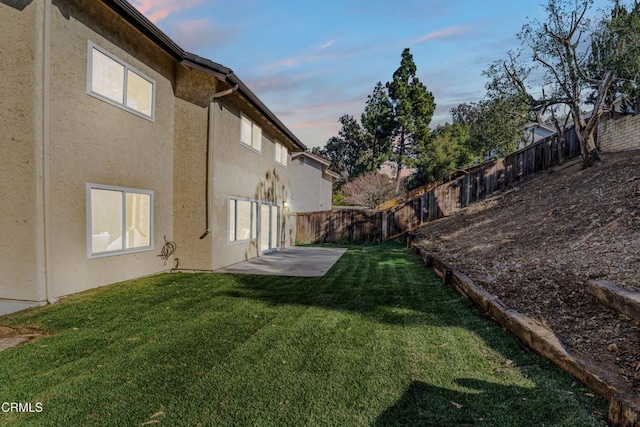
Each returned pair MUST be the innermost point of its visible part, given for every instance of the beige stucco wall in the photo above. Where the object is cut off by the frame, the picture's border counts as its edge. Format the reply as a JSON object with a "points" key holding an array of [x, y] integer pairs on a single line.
{"points": [[236, 171], [310, 188], [326, 192], [92, 141], [20, 107], [190, 172], [241, 172], [95, 142]]}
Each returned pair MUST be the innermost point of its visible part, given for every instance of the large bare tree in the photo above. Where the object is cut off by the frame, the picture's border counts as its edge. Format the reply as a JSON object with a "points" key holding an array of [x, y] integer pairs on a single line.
{"points": [[565, 67], [369, 190]]}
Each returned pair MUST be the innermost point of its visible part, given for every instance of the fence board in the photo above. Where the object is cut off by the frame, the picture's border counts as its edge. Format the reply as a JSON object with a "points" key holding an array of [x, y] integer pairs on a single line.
{"points": [[476, 183]]}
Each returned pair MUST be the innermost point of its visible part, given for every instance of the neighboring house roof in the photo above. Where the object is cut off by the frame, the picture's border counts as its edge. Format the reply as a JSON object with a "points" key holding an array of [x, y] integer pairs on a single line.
{"points": [[324, 162], [534, 132], [541, 126], [146, 27]]}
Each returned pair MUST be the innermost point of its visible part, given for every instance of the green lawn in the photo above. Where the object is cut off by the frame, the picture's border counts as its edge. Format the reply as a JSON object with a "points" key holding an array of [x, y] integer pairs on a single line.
{"points": [[378, 341]]}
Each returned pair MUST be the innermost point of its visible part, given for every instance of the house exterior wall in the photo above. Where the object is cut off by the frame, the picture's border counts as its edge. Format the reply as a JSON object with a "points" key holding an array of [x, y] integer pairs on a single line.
{"points": [[93, 141], [326, 193], [619, 134], [190, 176], [21, 107], [57, 139], [311, 188], [239, 171]]}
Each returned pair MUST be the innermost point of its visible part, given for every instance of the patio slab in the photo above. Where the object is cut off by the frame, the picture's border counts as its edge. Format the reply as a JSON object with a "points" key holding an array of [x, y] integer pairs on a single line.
{"points": [[296, 261]]}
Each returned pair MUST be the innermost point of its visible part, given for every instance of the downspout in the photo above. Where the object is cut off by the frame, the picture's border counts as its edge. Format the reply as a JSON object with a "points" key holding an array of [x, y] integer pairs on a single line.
{"points": [[209, 181], [46, 144]]}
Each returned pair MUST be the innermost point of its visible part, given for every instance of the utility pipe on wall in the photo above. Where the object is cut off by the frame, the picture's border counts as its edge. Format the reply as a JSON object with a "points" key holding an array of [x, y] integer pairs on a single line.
{"points": [[209, 181], [46, 145]]}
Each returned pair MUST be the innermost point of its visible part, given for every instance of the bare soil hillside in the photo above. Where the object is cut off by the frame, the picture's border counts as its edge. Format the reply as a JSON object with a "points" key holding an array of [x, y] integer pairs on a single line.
{"points": [[535, 246]]}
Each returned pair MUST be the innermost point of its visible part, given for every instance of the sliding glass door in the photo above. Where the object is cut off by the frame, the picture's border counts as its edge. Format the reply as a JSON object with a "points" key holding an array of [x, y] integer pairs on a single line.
{"points": [[269, 224]]}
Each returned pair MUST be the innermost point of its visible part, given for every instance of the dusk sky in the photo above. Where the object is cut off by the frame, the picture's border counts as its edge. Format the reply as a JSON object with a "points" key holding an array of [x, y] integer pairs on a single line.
{"points": [[311, 62]]}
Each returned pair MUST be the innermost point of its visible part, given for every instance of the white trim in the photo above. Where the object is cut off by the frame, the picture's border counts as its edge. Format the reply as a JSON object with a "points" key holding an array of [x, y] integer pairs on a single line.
{"points": [[256, 218], [274, 246], [253, 126], [284, 153], [252, 226], [123, 105], [124, 191]]}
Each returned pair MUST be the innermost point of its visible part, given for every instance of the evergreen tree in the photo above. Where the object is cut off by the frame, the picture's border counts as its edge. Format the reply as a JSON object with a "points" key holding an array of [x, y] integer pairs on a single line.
{"points": [[377, 121], [413, 107], [446, 150], [346, 152]]}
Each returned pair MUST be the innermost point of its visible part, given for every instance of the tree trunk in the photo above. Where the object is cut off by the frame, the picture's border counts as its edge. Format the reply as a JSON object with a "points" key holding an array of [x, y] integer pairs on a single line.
{"points": [[399, 161], [585, 132], [398, 179], [588, 150]]}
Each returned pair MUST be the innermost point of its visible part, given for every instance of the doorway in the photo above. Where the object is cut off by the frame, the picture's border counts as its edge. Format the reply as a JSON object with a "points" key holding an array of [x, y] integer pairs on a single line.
{"points": [[269, 227]]}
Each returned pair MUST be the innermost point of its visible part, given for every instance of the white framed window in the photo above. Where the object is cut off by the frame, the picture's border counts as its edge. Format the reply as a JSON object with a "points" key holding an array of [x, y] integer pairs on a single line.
{"points": [[116, 82], [242, 220], [250, 134], [119, 220], [281, 154]]}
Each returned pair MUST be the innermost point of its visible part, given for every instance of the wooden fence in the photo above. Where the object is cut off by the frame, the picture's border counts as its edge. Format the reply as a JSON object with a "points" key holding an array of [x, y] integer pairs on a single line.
{"points": [[471, 185]]}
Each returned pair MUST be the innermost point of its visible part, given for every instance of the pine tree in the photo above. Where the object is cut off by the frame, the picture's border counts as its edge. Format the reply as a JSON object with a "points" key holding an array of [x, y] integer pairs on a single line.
{"points": [[413, 107]]}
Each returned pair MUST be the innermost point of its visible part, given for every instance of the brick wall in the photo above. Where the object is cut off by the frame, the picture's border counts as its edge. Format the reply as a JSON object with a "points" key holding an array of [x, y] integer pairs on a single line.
{"points": [[619, 134]]}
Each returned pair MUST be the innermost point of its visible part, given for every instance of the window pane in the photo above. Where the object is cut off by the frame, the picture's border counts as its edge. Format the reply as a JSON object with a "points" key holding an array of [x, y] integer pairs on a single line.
{"points": [[106, 220], [232, 220], [244, 220], [274, 226], [246, 131], [139, 93], [254, 220], [278, 152], [285, 153], [138, 220], [107, 76], [257, 137], [264, 227]]}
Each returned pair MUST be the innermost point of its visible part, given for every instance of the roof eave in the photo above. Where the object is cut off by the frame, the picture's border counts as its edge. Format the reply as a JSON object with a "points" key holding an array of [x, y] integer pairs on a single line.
{"points": [[244, 90], [314, 157], [141, 23], [149, 29]]}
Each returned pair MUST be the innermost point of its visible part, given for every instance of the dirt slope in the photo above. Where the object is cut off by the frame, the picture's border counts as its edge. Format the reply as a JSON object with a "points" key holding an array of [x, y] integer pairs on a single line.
{"points": [[535, 246]]}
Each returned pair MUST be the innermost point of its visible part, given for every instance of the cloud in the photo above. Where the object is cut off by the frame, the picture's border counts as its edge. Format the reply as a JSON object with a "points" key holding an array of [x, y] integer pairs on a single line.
{"points": [[156, 10], [198, 33], [283, 63], [332, 109], [445, 33], [327, 44], [315, 124], [311, 55], [284, 81]]}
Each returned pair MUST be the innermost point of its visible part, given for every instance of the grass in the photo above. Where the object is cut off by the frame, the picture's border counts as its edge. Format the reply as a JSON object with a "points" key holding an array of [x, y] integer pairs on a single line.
{"points": [[377, 341]]}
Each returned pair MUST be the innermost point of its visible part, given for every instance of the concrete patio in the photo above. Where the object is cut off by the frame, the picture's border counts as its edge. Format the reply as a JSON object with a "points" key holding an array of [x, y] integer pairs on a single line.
{"points": [[296, 261]]}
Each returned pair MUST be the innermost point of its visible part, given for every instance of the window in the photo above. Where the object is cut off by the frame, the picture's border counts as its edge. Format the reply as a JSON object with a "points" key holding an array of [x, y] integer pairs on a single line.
{"points": [[119, 220], [251, 134], [242, 220], [116, 82], [281, 154]]}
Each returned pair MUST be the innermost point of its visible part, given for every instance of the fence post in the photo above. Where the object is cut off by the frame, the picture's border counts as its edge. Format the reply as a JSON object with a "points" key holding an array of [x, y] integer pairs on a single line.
{"points": [[385, 225]]}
